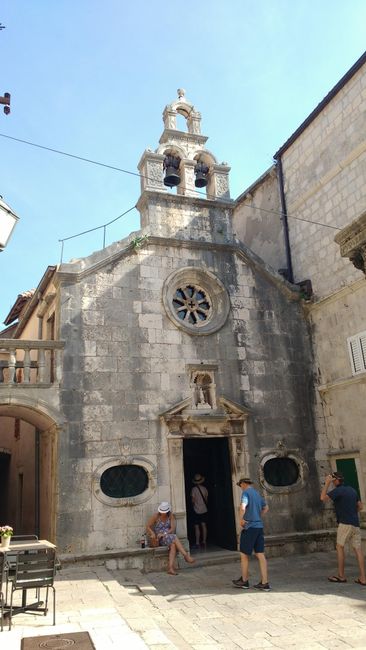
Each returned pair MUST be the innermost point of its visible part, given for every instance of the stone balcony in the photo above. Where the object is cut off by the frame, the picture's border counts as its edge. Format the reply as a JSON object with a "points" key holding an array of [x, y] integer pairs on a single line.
{"points": [[30, 362], [30, 376]]}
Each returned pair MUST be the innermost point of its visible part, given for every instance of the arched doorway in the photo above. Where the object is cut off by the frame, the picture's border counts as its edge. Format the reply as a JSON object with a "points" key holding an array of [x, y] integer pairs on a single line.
{"points": [[28, 443]]}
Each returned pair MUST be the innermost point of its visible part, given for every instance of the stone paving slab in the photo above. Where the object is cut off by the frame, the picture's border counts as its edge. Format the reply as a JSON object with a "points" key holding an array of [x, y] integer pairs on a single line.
{"points": [[302, 611], [200, 608]]}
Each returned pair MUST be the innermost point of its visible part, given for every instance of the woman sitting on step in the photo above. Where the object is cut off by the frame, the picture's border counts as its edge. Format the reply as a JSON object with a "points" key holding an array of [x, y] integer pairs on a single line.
{"points": [[161, 532]]}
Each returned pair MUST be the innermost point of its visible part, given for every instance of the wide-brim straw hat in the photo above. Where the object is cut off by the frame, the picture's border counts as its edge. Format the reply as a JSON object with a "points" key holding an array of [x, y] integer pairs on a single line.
{"points": [[198, 479]]}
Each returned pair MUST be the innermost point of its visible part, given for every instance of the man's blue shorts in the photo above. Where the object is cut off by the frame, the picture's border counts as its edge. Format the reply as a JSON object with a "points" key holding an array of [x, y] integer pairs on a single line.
{"points": [[252, 539]]}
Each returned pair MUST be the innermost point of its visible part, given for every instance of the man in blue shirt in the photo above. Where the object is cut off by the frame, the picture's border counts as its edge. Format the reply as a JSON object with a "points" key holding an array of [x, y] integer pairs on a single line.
{"points": [[252, 507], [347, 506]]}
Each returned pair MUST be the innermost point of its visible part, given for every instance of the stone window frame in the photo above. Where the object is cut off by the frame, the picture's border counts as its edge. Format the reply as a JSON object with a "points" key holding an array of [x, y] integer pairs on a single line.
{"points": [[357, 352], [121, 502], [283, 489], [214, 290]]}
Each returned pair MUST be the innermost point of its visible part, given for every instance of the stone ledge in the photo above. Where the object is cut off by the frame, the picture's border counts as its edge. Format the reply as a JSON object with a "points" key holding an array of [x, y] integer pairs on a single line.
{"points": [[155, 559]]}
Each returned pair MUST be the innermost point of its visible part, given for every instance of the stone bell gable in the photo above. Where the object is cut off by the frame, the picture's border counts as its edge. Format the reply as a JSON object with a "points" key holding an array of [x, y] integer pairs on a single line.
{"points": [[196, 170]]}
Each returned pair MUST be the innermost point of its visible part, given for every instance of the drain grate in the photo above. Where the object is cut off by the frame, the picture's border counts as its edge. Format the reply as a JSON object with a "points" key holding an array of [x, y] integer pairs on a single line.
{"points": [[72, 641]]}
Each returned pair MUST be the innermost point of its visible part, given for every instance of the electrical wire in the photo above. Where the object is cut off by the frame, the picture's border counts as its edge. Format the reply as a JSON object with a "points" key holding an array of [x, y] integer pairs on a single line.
{"points": [[125, 171]]}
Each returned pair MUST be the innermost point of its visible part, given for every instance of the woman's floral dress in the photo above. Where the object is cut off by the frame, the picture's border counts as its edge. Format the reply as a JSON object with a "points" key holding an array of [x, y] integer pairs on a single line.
{"points": [[162, 527]]}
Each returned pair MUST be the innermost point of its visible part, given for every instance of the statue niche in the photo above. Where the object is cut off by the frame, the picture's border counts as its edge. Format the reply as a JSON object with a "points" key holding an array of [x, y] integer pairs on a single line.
{"points": [[203, 391]]}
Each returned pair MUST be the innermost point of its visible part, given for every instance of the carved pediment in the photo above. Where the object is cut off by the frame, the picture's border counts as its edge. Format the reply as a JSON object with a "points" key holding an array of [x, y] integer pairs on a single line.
{"points": [[228, 418]]}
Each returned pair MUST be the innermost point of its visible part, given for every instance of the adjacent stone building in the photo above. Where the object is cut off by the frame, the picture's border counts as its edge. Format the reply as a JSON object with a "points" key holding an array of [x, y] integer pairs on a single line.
{"points": [[319, 181], [214, 340]]}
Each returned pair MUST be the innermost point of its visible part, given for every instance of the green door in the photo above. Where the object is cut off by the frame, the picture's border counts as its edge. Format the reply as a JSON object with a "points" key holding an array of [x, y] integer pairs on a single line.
{"points": [[348, 468]]}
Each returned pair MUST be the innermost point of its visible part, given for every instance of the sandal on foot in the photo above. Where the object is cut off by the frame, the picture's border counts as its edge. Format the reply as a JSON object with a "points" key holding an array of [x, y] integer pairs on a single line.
{"points": [[336, 579], [358, 582], [172, 573], [190, 559]]}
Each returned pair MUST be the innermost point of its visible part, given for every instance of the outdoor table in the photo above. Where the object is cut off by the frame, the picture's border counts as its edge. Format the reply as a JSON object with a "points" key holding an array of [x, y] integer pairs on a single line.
{"points": [[27, 546]]}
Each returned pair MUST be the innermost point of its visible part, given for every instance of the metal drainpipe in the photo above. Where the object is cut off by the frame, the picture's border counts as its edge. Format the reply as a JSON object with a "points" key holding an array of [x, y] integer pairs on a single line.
{"points": [[290, 277]]}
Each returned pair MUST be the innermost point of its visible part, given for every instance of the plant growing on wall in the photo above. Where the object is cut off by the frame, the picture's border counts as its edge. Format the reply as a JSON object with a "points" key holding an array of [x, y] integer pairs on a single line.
{"points": [[138, 241]]}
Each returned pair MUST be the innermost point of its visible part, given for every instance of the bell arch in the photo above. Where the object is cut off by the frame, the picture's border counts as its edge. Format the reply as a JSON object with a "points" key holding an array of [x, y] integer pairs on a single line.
{"points": [[190, 147]]}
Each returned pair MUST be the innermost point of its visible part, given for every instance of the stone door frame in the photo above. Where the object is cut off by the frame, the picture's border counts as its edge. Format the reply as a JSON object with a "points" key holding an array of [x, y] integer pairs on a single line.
{"points": [[180, 423]]}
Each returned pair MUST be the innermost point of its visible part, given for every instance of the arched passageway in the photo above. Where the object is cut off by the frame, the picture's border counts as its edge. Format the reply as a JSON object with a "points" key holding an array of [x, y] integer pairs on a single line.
{"points": [[28, 464]]}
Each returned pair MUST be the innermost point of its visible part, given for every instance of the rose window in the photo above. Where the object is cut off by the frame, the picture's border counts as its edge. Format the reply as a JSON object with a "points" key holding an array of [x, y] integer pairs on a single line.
{"points": [[191, 305], [195, 300]]}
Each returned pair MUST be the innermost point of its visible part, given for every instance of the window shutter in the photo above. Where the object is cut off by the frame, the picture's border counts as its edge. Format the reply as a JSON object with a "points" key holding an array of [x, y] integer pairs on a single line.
{"points": [[363, 348], [357, 352]]}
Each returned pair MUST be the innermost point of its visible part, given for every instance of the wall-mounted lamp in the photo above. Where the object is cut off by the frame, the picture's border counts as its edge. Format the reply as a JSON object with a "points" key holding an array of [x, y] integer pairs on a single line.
{"points": [[8, 221]]}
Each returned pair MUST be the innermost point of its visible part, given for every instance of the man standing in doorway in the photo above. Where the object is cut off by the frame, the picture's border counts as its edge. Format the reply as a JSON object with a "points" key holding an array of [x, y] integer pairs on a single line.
{"points": [[252, 507], [347, 506]]}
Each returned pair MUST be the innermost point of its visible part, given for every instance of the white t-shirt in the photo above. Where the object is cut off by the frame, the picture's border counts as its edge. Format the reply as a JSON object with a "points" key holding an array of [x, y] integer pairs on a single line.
{"points": [[199, 505]]}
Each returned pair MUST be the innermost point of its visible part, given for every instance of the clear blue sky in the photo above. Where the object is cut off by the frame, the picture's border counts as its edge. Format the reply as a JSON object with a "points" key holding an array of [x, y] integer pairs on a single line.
{"points": [[92, 78]]}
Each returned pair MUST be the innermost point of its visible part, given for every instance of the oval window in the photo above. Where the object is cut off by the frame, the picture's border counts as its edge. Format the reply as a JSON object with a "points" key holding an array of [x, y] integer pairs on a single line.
{"points": [[281, 472], [124, 481]]}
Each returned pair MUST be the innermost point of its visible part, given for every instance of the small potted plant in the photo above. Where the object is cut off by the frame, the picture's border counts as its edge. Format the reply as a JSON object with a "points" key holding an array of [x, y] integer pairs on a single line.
{"points": [[5, 533]]}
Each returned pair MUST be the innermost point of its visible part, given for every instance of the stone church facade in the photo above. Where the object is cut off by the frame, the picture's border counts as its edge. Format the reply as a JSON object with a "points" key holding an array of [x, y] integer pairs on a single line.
{"points": [[182, 349]]}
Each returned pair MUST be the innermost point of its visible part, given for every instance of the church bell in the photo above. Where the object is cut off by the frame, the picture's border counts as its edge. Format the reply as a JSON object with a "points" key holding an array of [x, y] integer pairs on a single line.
{"points": [[201, 172], [171, 166]]}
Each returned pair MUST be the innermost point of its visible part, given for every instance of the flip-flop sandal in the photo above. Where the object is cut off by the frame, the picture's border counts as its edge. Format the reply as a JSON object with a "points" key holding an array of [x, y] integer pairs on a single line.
{"points": [[358, 582], [337, 579], [172, 573]]}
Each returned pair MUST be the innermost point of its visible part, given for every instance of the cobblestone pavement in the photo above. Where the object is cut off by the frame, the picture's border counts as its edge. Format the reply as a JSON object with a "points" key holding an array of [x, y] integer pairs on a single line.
{"points": [[200, 609]]}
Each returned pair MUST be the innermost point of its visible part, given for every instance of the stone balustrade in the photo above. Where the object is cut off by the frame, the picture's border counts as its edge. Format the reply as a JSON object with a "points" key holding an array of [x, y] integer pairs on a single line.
{"points": [[30, 362]]}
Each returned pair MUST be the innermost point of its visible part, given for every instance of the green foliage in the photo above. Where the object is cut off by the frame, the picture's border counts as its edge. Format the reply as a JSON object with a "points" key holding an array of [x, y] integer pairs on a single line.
{"points": [[139, 240]]}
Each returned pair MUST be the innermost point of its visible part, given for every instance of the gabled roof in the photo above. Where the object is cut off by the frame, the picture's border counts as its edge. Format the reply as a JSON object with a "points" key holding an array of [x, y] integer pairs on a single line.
{"points": [[18, 307], [33, 302], [332, 93]]}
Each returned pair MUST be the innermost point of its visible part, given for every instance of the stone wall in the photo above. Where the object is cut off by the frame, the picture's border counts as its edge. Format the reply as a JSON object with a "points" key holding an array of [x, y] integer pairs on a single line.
{"points": [[126, 362], [325, 176], [257, 223], [342, 395]]}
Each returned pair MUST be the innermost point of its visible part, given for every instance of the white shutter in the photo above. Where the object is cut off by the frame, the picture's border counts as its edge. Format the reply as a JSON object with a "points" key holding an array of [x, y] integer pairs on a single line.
{"points": [[357, 352], [363, 348]]}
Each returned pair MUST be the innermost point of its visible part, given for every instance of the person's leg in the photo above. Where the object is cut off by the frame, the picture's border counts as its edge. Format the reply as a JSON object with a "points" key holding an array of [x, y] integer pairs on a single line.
{"points": [[204, 533], [197, 534], [361, 564], [262, 567], [171, 559], [244, 561], [179, 547], [357, 547], [340, 561]]}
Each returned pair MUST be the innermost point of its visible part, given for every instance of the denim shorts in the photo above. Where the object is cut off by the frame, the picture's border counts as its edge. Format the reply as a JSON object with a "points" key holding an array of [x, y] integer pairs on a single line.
{"points": [[252, 539]]}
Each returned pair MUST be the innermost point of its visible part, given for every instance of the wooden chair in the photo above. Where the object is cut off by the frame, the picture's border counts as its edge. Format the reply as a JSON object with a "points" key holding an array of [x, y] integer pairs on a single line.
{"points": [[34, 570]]}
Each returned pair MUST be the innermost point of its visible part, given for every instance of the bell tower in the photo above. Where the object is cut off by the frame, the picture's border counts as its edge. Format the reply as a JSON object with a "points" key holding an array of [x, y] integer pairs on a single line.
{"points": [[181, 167], [181, 160]]}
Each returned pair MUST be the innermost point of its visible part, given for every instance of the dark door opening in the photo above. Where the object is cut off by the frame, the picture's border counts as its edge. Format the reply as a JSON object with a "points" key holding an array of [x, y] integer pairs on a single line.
{"points": [[210, 457], [4, 485]]}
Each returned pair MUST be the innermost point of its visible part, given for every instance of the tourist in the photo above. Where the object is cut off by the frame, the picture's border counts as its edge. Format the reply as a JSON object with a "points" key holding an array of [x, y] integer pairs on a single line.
{"points": [[252, 507], [199, 496], [347, 506], [161, 532]]}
